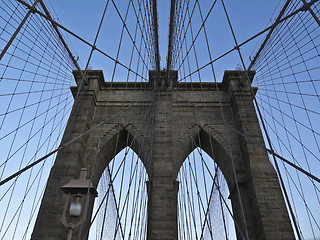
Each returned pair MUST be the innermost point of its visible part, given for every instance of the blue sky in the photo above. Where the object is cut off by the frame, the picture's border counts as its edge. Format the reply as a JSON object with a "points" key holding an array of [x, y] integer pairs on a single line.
{"points": [[248, 17]]}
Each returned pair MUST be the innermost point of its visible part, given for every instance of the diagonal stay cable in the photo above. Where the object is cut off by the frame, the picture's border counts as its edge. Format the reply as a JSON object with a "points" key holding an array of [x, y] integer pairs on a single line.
{"points": [[60, 36], [80, 38], [269, 34], [34, 155], [108, 96], [291, 134], [25, 149], [130, 36], [265, 130], [271, 152], [287, 148], [187, 57], [4, 50], [248, 40], [83, 78], [285, 114], [112, 178], [198, 33], [290, 177], [62, 146], [303, 102]]}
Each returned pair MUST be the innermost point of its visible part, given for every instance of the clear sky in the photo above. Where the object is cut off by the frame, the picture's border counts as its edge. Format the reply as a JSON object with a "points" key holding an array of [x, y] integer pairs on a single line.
{"points": [[248, 17]]}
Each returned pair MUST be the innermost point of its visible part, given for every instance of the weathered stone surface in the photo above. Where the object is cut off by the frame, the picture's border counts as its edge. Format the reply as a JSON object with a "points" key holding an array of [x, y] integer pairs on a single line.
{"points": [[182, 117]]}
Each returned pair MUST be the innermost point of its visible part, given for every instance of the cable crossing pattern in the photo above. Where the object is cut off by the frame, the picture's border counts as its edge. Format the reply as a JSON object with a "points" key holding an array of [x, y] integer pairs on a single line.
{"points": [[45, 88]]}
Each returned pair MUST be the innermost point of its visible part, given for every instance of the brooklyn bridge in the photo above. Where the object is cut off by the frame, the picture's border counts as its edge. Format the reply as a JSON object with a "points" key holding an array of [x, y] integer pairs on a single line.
{"points": [[159, 120]]}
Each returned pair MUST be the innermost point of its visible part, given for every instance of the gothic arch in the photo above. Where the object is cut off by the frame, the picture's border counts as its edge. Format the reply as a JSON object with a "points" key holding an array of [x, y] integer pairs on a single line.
{"points": [[129, 178], [214, 144], [213, 216], [111, 144]]}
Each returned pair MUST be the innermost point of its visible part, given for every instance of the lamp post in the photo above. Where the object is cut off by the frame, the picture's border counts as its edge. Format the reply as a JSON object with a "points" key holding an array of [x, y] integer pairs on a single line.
{"points": [[76, 206]]}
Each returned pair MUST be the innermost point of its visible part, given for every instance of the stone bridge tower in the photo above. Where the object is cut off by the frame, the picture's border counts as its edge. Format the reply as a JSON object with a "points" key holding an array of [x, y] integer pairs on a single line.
{"points": [[178, 122]]}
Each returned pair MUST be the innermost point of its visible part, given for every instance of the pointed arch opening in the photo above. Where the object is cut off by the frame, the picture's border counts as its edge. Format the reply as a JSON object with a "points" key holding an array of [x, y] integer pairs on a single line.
{"points": [[204, 210], [120, 210]]}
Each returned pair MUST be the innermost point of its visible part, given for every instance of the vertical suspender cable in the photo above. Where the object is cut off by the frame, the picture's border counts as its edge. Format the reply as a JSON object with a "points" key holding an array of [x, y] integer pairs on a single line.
{"points": [[4, 50], [263, 125]]}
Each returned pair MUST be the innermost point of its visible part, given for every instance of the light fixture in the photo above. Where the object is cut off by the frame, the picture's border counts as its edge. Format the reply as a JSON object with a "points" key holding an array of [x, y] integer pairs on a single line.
{"points": [[77, 201], [75, 207]]}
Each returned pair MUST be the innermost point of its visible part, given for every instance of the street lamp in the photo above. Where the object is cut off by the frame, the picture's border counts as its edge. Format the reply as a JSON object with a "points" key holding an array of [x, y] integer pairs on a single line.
{"points": [[76, 190]]}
